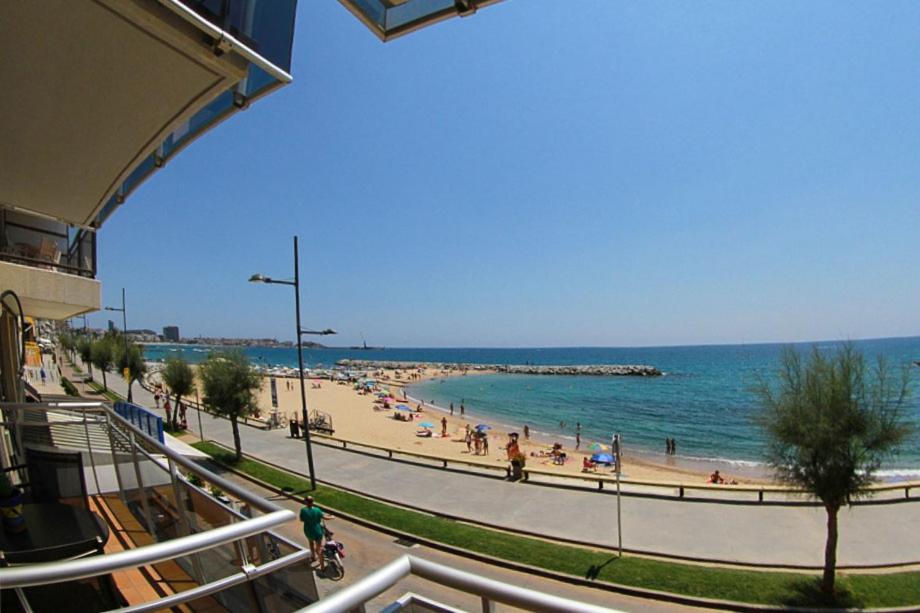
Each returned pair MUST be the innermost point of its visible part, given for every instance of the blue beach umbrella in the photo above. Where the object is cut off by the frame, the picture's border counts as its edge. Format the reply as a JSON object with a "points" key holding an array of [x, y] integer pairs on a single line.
{"points": [[427, 424], [602, 458], [482, 427]]}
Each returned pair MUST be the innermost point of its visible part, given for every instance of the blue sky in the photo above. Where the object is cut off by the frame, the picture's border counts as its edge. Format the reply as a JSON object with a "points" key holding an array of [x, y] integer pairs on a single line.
{"points": [[554, 174]]}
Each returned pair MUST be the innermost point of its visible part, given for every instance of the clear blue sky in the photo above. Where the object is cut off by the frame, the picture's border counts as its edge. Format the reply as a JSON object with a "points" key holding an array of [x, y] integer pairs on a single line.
{"points": [[554, 173]]}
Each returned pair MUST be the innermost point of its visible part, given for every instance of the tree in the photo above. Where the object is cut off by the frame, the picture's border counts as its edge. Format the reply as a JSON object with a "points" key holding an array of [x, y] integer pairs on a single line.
{"points": [[229, 383], [180, 379], [133, 360], [85, 349], [68, 342], [830, 423], [102, 356]]}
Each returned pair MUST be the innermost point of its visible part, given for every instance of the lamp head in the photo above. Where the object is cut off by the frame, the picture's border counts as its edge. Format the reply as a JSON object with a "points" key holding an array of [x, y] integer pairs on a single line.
{"points": [[259, 278], [329, 331]]}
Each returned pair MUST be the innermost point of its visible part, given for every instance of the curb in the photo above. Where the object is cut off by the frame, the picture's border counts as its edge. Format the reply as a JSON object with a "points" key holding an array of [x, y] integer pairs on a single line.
{"points": [[672, 597]]}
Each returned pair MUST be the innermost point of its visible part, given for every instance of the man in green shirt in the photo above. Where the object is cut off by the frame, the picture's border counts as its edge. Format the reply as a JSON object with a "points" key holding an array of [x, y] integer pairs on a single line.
{"points": [[312, 517]]}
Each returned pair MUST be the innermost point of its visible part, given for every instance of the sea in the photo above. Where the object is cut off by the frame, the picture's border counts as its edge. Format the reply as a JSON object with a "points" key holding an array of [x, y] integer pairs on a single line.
{"points": [[705, 400]]}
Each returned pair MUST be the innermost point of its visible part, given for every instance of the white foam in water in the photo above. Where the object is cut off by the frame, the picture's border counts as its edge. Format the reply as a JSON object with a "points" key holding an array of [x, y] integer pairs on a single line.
{"points": [[730, 462], [893, 474]]}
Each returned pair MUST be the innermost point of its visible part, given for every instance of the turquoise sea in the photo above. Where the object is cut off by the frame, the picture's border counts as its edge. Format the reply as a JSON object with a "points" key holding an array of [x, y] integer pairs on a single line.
{"points": [[704, 400]]}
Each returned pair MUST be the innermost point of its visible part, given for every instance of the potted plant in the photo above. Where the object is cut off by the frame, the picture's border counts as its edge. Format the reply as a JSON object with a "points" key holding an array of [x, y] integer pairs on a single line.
{"points": [[518, 461], [11, 506]]}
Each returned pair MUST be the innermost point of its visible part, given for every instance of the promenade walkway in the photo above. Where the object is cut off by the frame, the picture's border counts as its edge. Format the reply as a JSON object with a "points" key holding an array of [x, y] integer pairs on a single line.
{"points": [[749, 533]]}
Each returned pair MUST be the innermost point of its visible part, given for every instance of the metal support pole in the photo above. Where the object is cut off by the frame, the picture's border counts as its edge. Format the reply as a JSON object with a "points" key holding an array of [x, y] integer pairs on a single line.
{"points": [[487, 605], [618, 455], [303, 389], [186, 522], [121, 488], [124, 323], [140, 487], [89, 450]]}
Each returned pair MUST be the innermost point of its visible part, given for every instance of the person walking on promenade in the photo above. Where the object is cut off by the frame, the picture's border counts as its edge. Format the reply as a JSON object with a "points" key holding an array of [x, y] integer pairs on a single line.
{"points": [[526, 432], [312, 517], [43, 375], [156, 397]]}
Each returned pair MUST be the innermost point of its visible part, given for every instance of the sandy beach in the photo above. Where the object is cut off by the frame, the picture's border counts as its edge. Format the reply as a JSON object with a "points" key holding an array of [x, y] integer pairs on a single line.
{"points": [[355, 416]]}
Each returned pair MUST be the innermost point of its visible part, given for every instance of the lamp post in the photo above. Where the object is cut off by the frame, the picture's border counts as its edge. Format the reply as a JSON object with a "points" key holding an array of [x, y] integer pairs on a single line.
{"points": [[124, 323], [258, 278]]}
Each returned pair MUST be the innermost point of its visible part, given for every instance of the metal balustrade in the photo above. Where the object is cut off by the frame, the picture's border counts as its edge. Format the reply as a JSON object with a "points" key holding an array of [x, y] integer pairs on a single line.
{"points": [[230, 554]]}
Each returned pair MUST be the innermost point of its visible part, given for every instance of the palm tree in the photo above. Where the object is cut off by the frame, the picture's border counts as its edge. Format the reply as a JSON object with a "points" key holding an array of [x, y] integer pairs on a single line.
{"points": [[830, 423], [180, 379], [102, 356], [133, 360], [229, 383]]}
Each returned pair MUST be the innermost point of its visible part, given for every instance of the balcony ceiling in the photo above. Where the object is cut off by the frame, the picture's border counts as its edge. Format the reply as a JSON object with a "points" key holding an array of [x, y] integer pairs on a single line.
{"points": [[389, 19], [90, 87]]}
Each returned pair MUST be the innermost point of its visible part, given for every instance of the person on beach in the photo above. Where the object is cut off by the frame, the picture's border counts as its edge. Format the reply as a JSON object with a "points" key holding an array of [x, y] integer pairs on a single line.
{"points": [[469, 439], [577, 427], [716, 478], [443, 427], [43, 375], [577, 440], [477, 444], [312, 517], [673, 446], [451, 409], [526, 432], [485, 444], [462, 409], [667, 446]]}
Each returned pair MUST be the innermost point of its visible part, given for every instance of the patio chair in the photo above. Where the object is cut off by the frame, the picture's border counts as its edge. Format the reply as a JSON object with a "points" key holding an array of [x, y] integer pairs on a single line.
{"points": [[57, 476]]}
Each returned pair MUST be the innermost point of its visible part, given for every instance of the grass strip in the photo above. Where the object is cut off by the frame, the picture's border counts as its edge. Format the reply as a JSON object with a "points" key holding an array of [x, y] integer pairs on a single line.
{"points": [[749, 586]]}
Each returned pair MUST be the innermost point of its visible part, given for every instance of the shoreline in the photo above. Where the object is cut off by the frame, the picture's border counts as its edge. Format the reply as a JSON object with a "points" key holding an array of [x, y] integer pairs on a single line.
{"points": [[354, 417]]}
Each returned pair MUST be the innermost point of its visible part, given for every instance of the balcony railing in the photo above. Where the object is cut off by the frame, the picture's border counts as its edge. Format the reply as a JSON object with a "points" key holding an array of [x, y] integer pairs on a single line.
{"points": [[223, 551], [43, 243], [489, 591]]}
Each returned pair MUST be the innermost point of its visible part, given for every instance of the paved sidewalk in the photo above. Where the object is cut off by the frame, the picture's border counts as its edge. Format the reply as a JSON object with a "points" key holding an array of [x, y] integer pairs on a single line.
{"points": [[750, 533]]}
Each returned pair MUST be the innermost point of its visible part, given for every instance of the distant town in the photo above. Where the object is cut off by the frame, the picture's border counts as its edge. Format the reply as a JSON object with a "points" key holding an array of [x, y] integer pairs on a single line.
{"points": [[171, 335]]}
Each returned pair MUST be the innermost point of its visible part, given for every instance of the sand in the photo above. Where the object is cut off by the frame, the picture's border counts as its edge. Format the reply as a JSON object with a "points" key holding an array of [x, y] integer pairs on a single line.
{"points": [[354, 417]]}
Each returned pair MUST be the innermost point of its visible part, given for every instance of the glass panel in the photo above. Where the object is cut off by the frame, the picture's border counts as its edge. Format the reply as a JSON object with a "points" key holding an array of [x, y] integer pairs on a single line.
{"points": [[44, 243]]}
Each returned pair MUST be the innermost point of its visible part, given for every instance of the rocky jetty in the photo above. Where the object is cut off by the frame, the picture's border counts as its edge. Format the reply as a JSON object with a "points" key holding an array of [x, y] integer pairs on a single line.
{"points": [[597, 370]]}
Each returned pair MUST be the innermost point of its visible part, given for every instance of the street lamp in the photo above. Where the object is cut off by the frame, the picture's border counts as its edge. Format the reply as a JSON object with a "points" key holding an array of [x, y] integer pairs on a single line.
{"points": [[124, 323], [259, 278]]}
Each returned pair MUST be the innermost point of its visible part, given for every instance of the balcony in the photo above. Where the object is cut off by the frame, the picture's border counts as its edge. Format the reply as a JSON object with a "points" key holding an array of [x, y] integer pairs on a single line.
{"points": [[49, 264], [102, 93], [389, 19], [103, 486]]}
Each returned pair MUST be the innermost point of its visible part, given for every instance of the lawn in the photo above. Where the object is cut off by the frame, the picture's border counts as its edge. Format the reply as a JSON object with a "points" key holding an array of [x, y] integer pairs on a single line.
{"points": [[763, 587]]}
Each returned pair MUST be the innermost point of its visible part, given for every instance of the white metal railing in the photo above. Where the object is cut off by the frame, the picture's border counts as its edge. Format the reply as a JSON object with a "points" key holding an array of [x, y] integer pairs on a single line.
{"points": [[489, 590], [241, 527]]}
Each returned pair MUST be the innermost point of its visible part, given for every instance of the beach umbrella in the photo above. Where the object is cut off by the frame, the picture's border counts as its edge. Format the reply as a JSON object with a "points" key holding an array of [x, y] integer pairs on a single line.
{"points": [[602, 458], [427, 424], [482, 427], [597, 447], [403, 407]]}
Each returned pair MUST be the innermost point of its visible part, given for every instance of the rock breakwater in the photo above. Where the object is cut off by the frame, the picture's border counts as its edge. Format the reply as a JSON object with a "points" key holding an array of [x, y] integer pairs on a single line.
{"points": [[595, 370]]}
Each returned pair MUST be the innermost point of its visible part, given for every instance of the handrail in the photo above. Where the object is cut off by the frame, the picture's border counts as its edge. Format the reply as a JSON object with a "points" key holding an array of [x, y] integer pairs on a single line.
{"points": [[427, 456], [54, 572], [355, 595], [228, 486]]}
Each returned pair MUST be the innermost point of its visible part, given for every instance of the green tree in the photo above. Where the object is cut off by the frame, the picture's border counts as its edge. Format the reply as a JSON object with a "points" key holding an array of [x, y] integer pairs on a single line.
{"points": [[102, 356], [180, 379], [68, 342], [85, 349], [133, 360], [229, 384], [830, 423]]}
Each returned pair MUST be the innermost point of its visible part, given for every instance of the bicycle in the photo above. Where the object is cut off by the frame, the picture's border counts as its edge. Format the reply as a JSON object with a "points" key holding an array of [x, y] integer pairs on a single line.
{"points": [[333, 552]]}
